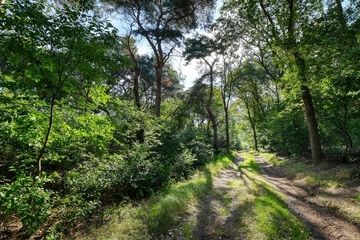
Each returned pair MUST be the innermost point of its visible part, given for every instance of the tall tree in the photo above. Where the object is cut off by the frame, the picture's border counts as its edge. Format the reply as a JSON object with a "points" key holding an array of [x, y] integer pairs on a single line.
{"points": [[54, 55], [206, 49], [336, 63], [136, 70], [282, 25], [162, 23], [227, 87]]}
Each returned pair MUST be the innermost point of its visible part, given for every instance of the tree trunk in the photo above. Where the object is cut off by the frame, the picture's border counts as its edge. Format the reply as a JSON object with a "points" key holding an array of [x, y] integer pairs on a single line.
{"points": [[224, 88], [137, 71], [341, 16], [316, 151], [47, 136], [252, 124], [214, 127], [227, 134], [158, 90], [226, 113], [255, 139], [136, 87], [209, 110], [140, 133]]}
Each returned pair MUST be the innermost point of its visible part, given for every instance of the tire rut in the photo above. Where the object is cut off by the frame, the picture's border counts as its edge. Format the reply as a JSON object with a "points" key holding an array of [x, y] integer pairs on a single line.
{"points": [[321, 221], [215, 216]]}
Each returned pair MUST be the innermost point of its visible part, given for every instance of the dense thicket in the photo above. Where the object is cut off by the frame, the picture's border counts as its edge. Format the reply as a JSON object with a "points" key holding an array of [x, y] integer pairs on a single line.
{"points": [[72, 139], [80, 122]]}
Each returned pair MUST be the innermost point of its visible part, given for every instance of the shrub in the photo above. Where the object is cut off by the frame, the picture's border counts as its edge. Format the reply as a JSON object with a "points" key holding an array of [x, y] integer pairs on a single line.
{"points": [[27, 200], [183, 165], [202, 151]]}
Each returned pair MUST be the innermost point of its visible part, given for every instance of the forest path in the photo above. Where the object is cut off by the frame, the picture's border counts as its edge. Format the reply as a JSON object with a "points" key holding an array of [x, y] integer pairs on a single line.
{"points": [[315, 209], [221, 214], [215, 216]]}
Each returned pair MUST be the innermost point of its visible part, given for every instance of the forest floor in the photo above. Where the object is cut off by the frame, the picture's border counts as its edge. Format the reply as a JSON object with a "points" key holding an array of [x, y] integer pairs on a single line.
{"points": [[253, 200], [327, 212]]}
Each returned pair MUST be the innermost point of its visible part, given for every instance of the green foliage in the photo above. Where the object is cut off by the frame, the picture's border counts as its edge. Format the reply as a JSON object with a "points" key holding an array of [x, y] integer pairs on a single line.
{"points": [[201, 47], [54, 56], [202, 150], [264, 214], [66, 105], [27, 199], [115, 177], [286, 131], [183, 164], [53, 64], [158, 214], [73, 208]]}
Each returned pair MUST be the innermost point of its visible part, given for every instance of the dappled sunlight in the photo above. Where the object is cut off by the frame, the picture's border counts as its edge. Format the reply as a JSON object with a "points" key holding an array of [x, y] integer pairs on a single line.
{"points": [[270, 216], [312, 201], [242, 204]]}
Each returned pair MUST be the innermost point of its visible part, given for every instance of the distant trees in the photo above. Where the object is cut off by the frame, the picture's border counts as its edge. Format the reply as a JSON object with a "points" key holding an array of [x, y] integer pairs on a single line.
{"points": [[298, 45], [162, 24], [206, 49], [250, 81]]}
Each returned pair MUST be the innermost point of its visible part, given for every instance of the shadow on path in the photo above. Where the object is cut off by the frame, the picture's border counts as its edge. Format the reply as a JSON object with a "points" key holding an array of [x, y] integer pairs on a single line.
{"points": [[218, 217], [322, 222]]}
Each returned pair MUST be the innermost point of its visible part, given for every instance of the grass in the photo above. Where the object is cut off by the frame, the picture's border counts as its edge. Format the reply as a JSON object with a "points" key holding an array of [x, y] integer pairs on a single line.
{"points": [[323, 180], [261, 211], [224, 212], [264, 213], [234, 183], [313, 176], [188, 229], [249, 164], [158, 214], [275, 161]]}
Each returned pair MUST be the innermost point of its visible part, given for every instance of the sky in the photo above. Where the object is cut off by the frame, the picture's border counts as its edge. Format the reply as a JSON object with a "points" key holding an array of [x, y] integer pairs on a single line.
{"points": [[179, 64]]}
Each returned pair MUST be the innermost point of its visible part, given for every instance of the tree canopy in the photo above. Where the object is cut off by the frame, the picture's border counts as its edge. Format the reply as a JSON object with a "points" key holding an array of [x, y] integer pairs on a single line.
{"points": [[88, 121]]}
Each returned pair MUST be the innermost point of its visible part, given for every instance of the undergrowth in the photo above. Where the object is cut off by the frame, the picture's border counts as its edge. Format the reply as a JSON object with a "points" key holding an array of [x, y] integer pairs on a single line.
{"points": [[156, 215], [314, 176], [322, 180]]}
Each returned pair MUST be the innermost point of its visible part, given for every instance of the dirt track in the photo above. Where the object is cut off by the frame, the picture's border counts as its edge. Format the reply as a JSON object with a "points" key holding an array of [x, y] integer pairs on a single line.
{"points": [[216, 216], [323, 221]]}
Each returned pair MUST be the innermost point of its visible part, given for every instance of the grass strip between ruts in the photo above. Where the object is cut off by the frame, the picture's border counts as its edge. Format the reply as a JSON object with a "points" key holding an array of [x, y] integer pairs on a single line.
{"points": [[158, 214], [265, 214]]}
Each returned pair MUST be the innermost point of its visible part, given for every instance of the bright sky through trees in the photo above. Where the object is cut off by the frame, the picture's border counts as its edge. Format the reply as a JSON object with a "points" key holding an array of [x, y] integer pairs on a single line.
{"points": [[188, 70]]}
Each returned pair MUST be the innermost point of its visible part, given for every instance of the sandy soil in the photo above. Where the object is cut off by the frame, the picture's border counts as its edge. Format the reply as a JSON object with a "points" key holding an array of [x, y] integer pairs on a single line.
{"points": [[215, 217], [322, 209]]}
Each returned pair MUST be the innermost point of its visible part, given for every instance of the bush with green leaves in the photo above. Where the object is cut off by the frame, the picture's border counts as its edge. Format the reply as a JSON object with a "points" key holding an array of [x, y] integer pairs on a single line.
{"points": [[202, 151], [73, 208], [286, 131], [27, 199], [117, 177], [176, 141], [182, 165]]}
